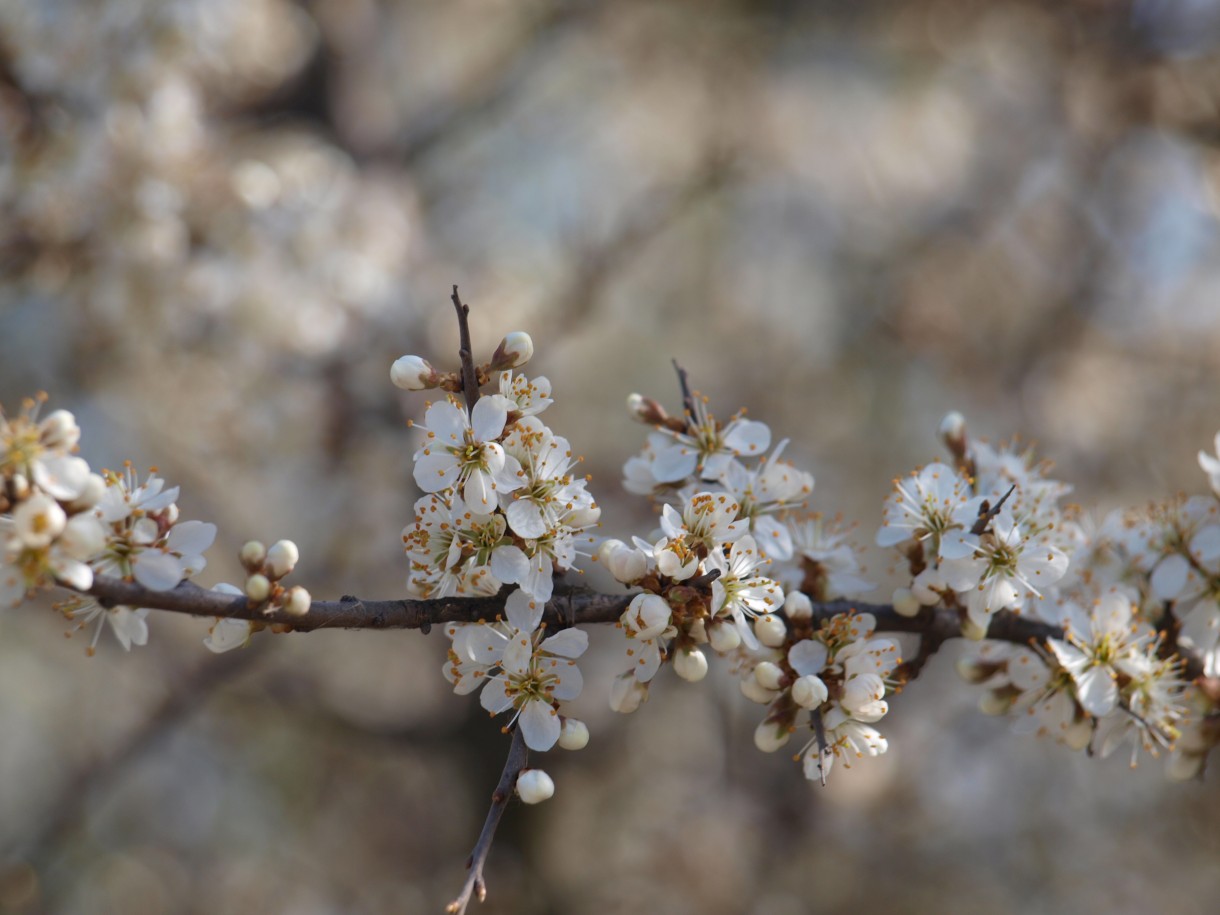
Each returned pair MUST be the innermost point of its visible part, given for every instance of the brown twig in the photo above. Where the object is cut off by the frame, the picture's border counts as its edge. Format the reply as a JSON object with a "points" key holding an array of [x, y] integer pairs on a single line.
{"points": [[688, 400], [518, 756], [470, 376], [987, 513]]}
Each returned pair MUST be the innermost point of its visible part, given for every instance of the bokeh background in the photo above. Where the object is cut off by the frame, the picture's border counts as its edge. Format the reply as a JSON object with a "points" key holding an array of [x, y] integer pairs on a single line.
{"points": [[221, 220]]}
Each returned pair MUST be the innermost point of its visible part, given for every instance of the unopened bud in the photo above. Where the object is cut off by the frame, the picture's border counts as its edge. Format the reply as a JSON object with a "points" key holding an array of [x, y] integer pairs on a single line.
{"points": [[297, 602], [770, 630], [723, 636], [627, 694], [768, 674], [574, 734], [90, 494], [953, 427], [809, 691], [171, 513], [281, 559], [770, 736], [690, 665], [973, 631], [905, 602], [646, 410], [798, 606], [993, 702], [1184, 766], [515, 349], [627, 564], [970, 670], [59, 430], [253, 554], [1079, 733], [413, 373], [534, 786], [83, 537], [258, 588], [756, 692]]}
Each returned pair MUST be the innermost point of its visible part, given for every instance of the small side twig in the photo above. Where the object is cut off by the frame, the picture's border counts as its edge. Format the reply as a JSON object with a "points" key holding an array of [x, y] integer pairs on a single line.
{"points": [[470, 376], [518, 756], [688, 400], [987, 513]]}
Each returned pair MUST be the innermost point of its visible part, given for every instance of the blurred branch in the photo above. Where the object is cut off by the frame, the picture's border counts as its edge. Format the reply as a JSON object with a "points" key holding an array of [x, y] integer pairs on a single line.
{"points": [[518, 756]]}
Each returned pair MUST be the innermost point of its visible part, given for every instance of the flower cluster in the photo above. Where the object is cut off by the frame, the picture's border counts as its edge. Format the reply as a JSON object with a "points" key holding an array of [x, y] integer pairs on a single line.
{"points": [[836, 676], [503, 506], [520, 668]]}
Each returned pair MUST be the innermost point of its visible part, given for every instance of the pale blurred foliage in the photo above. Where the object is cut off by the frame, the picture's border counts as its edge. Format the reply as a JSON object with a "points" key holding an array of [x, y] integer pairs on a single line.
{"points": [[222, 220]]}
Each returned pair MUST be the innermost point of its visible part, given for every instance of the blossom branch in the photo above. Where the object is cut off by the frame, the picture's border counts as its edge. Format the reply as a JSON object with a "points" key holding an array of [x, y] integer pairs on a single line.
{"points": [[518, 756]]}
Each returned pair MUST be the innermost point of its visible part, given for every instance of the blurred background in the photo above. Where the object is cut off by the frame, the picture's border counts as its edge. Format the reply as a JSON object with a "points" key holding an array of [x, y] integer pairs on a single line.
{"points": [[221, 220]]}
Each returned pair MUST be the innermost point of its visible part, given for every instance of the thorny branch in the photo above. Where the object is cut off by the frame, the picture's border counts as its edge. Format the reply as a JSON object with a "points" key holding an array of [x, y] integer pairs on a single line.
{"points": [[518, 756], [470, 376]]}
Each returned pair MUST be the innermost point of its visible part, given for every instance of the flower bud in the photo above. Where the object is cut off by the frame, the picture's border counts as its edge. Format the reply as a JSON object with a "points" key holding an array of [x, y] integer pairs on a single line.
{"points": [[1079, 733], [91, 493], [798, 606], [756, 692], [627, 694], [258, 588], [972, 670], [973, 631], [1184, 766], [534, 786], [38, 521], [770, 736], [413, 373], [297, 602], [690, 665], [253, 554], [647, 616], [809, 691], [770, 630], [646, 410], [83, 537], [281, 559], [625, 563], [905, 602], [953, 427], [515, 349], [994, 702], [574, 734], [723, 636], [768, 674], [228, 634], [59, 430]]}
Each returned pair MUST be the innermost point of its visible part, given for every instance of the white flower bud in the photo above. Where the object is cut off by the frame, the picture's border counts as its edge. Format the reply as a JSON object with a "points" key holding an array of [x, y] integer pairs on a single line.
{"points": [[297, 602], [625, 563], [770, 630], [627, 694], [994, 703], [171, 513], [534, 786], [20, 485], [91, 493], [723, 636], [1184, 766], [38, 521], [258, 588], [515, 349], [756, 692], [83, 537], [253, 554], [905, 602], [645, 410], [973, 631], [953, 427], [769, 736], [574, 734], [690, 665], [809, 691], [798, 606], [970, 670], [698, 631], [768, 674], [59, 430], [647, 615], [1078, 734], [281, 559], [413, 373]]}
